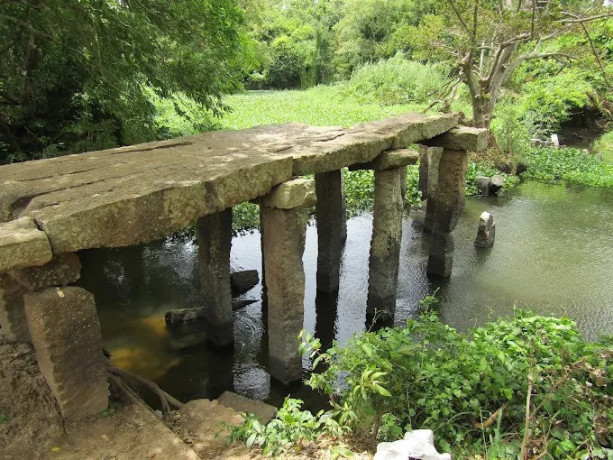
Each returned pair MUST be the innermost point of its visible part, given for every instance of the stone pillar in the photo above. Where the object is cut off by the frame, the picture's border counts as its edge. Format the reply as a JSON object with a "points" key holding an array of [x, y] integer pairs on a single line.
{"points": [[214, 244], [448, 203], [331, 229], [284, 216], [486, 234], [446, 200], [390, 189], [66, 335], [433, 158], [385, 243]]}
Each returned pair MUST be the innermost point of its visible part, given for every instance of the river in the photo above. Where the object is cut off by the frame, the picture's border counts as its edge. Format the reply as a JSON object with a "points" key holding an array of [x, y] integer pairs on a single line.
{"points": [[553, 254]]}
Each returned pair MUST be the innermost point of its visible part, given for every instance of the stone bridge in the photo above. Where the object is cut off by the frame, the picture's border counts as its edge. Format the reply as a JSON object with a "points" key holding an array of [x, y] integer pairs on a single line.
{"points": [[52, 209]]}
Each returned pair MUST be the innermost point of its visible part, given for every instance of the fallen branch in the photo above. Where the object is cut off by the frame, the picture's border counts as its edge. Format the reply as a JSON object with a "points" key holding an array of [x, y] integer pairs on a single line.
{"points": [[491, 419]]}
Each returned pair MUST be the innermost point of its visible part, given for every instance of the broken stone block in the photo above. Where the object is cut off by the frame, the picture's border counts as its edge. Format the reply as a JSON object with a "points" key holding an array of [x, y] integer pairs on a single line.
{"points": [[487, 231], [62, 270], [243, 281], [263, 412], [496, 184], [291, 194], [22, 244], [66, 335], [483, 184]]}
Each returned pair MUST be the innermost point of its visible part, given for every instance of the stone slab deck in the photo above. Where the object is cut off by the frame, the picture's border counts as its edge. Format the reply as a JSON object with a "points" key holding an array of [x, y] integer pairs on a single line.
{"points": [[131, 195]]}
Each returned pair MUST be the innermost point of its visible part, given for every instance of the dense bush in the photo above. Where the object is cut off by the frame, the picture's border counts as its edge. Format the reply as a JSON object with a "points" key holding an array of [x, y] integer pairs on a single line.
{"points": [[603, 146], [395, 81], [529, 384]]}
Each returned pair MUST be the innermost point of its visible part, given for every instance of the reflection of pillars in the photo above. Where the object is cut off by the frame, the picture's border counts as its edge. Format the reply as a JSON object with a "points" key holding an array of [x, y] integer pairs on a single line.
{"points": [[284, 216], [66, 335], [326, 311], [448, 202], [214, 243], [385, 243], [331, 229], [433, 158]]}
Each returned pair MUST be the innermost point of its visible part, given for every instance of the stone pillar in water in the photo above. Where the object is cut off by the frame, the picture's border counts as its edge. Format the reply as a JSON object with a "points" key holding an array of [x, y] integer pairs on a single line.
{"points": [[390, 187], [284, 216], [66, 335], [447, 200], [433, 158], [214, 244], [331, 229], [486, 234]]}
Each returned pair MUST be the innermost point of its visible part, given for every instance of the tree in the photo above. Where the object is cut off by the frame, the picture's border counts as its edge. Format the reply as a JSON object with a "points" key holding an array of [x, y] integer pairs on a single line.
{"points": [[486, 41], [76, 75]]}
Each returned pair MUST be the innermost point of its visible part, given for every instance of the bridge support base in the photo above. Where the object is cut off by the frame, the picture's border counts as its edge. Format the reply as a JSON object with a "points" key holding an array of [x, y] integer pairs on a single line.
{"points": [[331, 229], [284, 216], [66, 335], [214, 244], [447, 202], [385, 243], [13, 323]]}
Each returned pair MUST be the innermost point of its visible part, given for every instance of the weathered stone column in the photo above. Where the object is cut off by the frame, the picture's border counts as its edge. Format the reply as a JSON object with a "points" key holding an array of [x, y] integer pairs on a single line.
{"points": [[331, 229], [13, 323], [284, 215], [66, 335], [448, 197], [214, 244], [433, 158], [390, 176]]}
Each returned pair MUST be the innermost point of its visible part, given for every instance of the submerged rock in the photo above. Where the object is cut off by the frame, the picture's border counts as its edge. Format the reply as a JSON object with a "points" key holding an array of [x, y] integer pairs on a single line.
{"points": [[184, 315], [243, 281], [416, 445]]}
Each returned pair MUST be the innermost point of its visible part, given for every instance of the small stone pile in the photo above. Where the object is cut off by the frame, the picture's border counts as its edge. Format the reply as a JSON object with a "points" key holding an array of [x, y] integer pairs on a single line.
{"points": [[487, 231]]}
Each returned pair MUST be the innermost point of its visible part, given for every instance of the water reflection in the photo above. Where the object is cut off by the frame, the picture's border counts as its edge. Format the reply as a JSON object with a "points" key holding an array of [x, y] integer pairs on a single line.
{"points": [[553, 253]]}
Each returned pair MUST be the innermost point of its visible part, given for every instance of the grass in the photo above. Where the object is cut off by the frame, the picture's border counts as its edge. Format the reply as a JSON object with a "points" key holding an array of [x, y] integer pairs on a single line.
{"points": [[604, 147], [318, 106]]}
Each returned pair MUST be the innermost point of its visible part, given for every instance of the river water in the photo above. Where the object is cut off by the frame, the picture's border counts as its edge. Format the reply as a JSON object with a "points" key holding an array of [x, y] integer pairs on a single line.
{"points": [[553, 254]]}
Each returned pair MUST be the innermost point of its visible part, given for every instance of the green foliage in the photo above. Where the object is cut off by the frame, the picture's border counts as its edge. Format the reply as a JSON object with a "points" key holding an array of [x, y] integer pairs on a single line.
{"points": [[395, 81], [245, 216], [603, 146], [290, 427], [471, 388], [571, 166], [3, 418], [78, 75]]}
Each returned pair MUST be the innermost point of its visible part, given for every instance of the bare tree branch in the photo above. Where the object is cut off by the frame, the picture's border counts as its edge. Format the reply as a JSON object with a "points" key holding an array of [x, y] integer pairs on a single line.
{"points": [[595, 53]]}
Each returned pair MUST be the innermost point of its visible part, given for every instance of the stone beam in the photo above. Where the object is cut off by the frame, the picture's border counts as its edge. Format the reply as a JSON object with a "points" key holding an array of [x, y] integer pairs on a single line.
{"points": [[22, 244], [214, 244], [283, 247], [462, 138], [331, 229], [67, 339], [390, 159]]}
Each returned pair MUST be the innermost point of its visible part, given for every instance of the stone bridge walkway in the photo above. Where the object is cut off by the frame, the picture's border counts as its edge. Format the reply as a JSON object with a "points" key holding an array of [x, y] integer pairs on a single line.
{"points": [[51, 209]]}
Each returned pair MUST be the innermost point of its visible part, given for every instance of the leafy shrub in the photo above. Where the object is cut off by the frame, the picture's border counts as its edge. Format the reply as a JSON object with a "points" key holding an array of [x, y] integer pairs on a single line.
{"points": [[290, 427], [469, 388], [395, 81], [572, 166], [603, 146]]}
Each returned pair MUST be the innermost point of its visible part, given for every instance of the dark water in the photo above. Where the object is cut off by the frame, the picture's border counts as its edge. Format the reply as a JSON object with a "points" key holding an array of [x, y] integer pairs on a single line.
{"points": [[553, 254]]}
